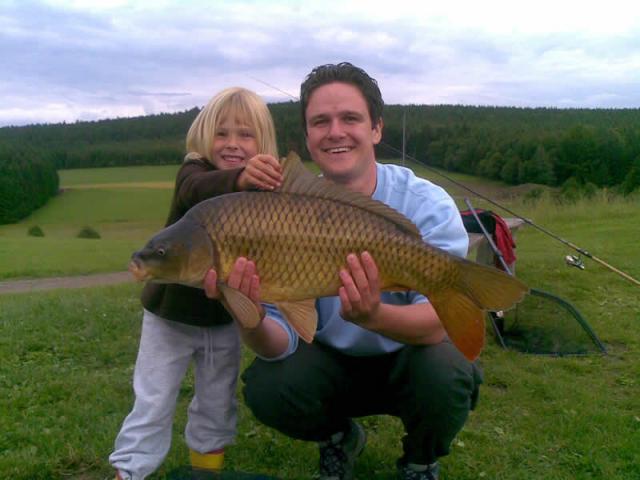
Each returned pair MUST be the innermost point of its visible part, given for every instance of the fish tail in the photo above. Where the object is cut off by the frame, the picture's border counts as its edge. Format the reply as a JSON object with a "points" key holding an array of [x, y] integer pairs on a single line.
{"points": [[491, 289], [461, 307], [462, 319]]}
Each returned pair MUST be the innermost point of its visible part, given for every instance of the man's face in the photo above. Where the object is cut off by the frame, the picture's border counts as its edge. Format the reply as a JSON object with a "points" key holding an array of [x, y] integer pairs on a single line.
{"points": [[340, 136]]}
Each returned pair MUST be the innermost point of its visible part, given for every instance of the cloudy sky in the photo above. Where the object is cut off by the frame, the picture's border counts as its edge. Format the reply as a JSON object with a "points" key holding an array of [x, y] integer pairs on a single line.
{"points": [[91, 59]]}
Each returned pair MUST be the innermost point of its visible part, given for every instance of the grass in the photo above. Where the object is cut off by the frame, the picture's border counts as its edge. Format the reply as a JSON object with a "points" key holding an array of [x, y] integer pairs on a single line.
{"points": [[68, 356], [66, 387]]}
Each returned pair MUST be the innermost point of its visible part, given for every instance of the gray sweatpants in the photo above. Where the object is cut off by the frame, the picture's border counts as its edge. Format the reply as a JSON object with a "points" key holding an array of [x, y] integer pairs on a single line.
{"points": [[166, 349]]}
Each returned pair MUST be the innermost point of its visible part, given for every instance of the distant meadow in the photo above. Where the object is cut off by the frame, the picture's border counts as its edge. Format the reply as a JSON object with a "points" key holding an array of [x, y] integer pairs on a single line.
{"points": [[125, 205]]}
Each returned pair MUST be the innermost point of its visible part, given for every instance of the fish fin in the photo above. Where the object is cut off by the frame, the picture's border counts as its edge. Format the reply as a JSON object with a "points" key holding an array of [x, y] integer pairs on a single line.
{"points": [[298, 179], [492, 289], [462, 319], [461, 308], [302, 316], [241, 307], [395, 288]]}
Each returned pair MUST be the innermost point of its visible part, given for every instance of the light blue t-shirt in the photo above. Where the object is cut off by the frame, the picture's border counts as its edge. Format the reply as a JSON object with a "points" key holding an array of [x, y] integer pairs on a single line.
{"points": [[435, 214]]}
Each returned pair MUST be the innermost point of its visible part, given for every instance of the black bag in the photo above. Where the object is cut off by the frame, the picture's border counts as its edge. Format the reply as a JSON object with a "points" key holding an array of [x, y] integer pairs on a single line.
{"points": [[485, 216]]}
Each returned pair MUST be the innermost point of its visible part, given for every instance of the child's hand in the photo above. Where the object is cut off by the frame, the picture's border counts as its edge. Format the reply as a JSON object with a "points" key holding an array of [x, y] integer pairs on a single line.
{"points": [[263, 172], [210, 284], [243, 277]]}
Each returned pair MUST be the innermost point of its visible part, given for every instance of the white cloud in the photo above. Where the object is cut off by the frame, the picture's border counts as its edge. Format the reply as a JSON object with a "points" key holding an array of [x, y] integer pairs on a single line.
{"points": [[87, 58]]}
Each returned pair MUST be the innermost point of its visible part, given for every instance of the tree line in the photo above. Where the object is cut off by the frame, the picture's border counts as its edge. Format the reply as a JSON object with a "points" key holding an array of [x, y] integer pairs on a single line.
{"points": [[593, 147], [27, 180], [522, 145]]}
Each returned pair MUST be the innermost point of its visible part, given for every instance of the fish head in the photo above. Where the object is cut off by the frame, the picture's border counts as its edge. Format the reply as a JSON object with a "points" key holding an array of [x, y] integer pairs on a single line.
{"points": [[181, 253]]}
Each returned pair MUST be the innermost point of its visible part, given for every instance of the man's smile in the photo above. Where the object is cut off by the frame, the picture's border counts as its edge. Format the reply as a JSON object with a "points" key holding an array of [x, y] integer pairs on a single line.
{"points": [[337, 149]]}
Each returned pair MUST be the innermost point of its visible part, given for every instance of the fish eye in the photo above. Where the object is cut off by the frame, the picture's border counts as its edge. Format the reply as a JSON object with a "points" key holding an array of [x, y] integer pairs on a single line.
{"points": [[161, 251]]}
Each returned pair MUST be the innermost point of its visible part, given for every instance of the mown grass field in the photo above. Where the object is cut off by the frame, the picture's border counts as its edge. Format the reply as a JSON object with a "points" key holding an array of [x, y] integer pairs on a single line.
{"points": [[125, 206], [67, 356]]}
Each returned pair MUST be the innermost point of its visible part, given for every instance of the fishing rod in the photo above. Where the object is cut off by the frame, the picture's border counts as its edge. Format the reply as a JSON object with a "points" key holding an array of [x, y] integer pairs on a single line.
{"points": [[569, 259]]}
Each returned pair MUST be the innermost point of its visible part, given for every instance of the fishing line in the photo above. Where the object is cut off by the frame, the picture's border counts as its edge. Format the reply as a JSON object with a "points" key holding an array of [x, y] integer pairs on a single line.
{"points": [[274, 87], [569, 244]]}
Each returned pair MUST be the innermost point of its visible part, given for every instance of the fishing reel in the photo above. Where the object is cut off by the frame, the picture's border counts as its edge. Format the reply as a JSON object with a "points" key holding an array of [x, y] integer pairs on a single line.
{"points": [[574, 261]]}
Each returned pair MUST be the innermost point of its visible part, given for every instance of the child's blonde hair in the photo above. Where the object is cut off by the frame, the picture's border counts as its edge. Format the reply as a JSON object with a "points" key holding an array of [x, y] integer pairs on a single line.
{"points": [[235, 102]]}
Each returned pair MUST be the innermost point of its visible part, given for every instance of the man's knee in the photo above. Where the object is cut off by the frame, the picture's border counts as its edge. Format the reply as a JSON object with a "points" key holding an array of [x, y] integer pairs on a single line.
{"points": [[282, 397], [441, 371], [262, 389]]}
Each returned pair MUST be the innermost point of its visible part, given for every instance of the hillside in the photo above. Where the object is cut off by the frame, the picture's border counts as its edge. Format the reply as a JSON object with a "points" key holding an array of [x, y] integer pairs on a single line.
{"points": [[596, 148]]}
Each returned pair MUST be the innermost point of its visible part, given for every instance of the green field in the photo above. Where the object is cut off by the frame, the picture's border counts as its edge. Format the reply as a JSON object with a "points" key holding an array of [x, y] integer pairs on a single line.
{"points": [[124, 216], [68, 356]]}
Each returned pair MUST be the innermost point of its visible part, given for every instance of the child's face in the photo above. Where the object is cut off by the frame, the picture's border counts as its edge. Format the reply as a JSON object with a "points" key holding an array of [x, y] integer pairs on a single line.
{"points": [[234, 144]]}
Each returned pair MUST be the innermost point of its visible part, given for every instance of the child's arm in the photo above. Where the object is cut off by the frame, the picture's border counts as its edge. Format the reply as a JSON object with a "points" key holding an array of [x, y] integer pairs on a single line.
{"points": [[263, 172], [196, 181]]}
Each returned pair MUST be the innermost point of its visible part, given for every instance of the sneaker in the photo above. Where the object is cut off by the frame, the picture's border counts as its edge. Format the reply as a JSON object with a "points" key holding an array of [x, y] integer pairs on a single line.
{"points": [[412, 471], [338, 454]]}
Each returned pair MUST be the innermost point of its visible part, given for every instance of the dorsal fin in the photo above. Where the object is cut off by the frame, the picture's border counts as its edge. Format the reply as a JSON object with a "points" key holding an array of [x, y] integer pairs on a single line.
{"points": [[299, 180]]}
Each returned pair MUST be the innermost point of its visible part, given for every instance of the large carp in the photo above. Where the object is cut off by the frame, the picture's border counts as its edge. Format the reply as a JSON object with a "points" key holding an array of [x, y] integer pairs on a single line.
{"points": [[299, 237]]}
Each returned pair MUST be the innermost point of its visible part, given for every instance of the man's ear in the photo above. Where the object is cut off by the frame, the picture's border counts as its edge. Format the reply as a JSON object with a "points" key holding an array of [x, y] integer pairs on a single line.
{"points": [[377, 131]]}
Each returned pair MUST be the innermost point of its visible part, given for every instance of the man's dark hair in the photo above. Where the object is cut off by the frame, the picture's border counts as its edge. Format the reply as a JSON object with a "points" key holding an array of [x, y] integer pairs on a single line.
{"points": [[347, 73]]}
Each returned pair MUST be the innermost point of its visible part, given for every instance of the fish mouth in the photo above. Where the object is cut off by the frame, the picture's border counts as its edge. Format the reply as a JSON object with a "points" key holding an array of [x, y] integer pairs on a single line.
{"points": [[138, 271]]}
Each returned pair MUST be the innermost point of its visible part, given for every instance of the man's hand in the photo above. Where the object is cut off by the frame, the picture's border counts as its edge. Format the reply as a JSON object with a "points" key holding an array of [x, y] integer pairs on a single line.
{"points": [[263, 172], [360, 291], [243, 277]]}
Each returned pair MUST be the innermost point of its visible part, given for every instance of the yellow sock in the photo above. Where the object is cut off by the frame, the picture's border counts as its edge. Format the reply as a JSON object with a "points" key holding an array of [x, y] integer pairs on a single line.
{"points": [[207, 461]]}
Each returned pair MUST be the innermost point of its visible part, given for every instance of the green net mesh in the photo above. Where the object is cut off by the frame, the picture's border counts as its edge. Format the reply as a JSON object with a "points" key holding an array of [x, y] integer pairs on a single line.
{"points": [[545, 324]]}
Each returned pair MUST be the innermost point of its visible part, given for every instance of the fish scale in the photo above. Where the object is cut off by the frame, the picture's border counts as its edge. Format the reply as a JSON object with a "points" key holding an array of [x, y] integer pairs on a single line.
{"points": [[272, 228]]}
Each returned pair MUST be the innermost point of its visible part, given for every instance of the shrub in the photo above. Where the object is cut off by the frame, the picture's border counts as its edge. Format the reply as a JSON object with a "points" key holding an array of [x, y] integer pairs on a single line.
{"points": [[35, 231], [573, 190], [533, 195], [88, 232], [589, 190]]}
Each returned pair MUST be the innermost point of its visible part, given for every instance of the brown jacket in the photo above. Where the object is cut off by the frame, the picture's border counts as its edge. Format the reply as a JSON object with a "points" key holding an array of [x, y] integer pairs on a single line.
{"points": [[196, 180]]}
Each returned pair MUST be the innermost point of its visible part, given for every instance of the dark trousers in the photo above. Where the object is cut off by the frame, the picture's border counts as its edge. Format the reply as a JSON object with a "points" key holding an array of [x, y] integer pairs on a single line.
{"points": [[311, 394]]}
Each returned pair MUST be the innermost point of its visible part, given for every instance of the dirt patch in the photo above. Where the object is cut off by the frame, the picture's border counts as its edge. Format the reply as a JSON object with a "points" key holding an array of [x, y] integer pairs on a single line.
{"points": [[525, 189], [86, 186], [80, 281]]}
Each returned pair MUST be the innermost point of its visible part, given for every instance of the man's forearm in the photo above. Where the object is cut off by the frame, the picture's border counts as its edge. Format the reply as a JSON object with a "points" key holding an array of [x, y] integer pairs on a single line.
{"points": [[268, 340], [416, 324]]}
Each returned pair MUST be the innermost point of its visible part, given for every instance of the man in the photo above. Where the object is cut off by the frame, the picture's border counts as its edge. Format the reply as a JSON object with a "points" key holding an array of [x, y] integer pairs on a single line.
{"points": [[374, 353]]}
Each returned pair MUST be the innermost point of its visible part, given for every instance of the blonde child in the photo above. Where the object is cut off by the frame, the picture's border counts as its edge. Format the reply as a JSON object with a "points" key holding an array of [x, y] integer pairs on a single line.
{"points": [[231, 147]]}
